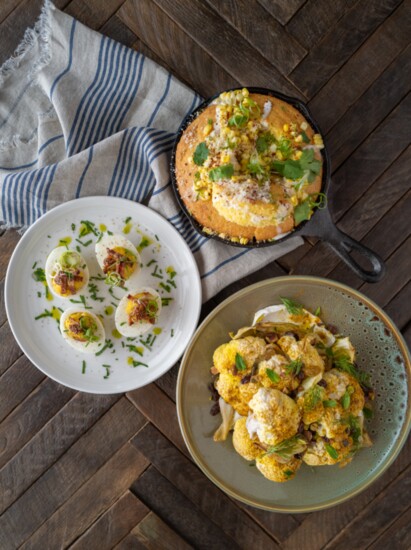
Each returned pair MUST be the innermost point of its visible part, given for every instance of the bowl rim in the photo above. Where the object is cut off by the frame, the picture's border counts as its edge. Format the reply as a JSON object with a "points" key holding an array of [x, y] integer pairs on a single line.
{"points": [[398, 444]]}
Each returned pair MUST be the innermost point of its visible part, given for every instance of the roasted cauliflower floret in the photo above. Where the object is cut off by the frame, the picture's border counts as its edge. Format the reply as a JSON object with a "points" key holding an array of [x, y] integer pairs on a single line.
{"points": [[250, 349], [245, 446], [273, 373], [235, 393], [311, 403], [345, 389], [275, 416], [274, 470], [304, 350], [322, 452]]}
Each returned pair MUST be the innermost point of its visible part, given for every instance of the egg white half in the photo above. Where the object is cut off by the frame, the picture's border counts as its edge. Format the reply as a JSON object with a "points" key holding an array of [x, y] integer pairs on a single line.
{"points": [[121, 316], [84, 347], [113, 241], [53, 259]]}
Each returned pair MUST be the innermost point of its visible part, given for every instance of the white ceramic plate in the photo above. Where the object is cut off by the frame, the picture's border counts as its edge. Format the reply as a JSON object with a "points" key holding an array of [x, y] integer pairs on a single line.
{"points": [[41, 340]]}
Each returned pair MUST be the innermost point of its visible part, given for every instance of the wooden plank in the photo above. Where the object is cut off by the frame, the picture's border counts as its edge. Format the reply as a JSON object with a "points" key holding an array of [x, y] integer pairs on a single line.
{"points": [[398, 308], [225, 45], [360, 71], [68, 424], [67, 475], [371, 159], [7, 7], [117, 30], [362, 217], [179, 512], [91, 500], [14, 26], [386, 236], [93, 13], [268, 37], [160, 411], [198, 69], [8, 242], [398, 275], [30, 416], [321, 527], [3, 316], [376, 517], [315, 19], [341, 41], [154, 534], [113, 525], [10, 349], [398, 536], [204, 495], [280, 10], [16, 384], [378, 101]]}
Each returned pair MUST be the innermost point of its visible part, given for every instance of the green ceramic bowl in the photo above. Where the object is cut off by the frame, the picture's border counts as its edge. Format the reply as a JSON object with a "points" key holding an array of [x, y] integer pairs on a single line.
{"points": [[381, 352]]}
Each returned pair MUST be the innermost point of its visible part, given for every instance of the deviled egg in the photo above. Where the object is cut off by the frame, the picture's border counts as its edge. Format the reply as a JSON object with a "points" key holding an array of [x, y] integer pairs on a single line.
{"points": [[118, 258], [82, 330], [66, 272], [138, 311]]}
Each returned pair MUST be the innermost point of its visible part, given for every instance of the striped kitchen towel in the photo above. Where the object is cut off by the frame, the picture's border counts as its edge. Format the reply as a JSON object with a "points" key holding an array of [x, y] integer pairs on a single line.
{"points": [[82, 115]]}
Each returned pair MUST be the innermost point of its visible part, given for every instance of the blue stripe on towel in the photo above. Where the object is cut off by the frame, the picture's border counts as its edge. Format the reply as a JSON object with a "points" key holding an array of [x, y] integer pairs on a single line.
{"points": [[89, 91], [222, 264], [94, 102], [83, 174], [163, 97], [70, 60]]}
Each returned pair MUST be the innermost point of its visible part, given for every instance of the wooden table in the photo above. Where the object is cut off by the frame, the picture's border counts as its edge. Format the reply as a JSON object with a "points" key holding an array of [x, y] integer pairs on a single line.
{"points": [[100, 471]]}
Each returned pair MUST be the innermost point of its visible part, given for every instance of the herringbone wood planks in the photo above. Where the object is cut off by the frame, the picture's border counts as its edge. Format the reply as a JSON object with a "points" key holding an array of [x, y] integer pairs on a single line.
{"points": [[113, 471]]}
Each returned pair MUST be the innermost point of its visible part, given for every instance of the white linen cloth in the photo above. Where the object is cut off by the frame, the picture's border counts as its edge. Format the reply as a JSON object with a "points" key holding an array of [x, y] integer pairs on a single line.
{"points": [[82, 115]]}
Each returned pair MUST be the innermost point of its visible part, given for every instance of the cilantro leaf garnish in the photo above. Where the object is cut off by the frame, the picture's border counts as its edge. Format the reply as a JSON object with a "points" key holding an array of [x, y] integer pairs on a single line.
{"points": [[240, 364], [200, 154], [256, 168], [293, 307], [303, 211], [306, 139], [221, 172], [272, 375], [308, 162], [264, 141]]}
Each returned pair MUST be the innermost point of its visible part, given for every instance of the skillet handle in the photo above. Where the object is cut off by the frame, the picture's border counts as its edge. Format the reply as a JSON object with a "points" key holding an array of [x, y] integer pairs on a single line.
{"points": [[323, 227]]}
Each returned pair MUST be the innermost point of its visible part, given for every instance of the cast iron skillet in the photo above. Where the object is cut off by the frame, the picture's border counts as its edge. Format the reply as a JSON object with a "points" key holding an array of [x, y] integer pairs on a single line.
{"points": [[320, 225]]}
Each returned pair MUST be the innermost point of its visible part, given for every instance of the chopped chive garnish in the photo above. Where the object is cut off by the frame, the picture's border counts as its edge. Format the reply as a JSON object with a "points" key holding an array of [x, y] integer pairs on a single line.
{"points": [[127, 220], [84, 244], [172, 332], [165, 287], [151, 262], [166, 301], [108, 344], [107, 367], [83, 368], [73, 226], [34, 265], [138, 364]]}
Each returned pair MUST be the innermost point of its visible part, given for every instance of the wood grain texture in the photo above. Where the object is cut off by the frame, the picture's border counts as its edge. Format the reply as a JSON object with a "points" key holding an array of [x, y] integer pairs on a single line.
{"points": [[281, 50], [341, 41], [154, 534], [114, 525], [282, 11], [88, 471]]}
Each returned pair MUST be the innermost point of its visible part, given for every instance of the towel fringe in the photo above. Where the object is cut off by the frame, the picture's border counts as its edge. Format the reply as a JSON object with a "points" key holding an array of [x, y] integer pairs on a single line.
{"points": [[41, 30]]}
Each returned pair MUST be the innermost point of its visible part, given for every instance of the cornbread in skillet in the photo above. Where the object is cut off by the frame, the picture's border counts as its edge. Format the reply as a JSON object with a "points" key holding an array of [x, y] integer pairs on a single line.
{"points": [[249, 167]]}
